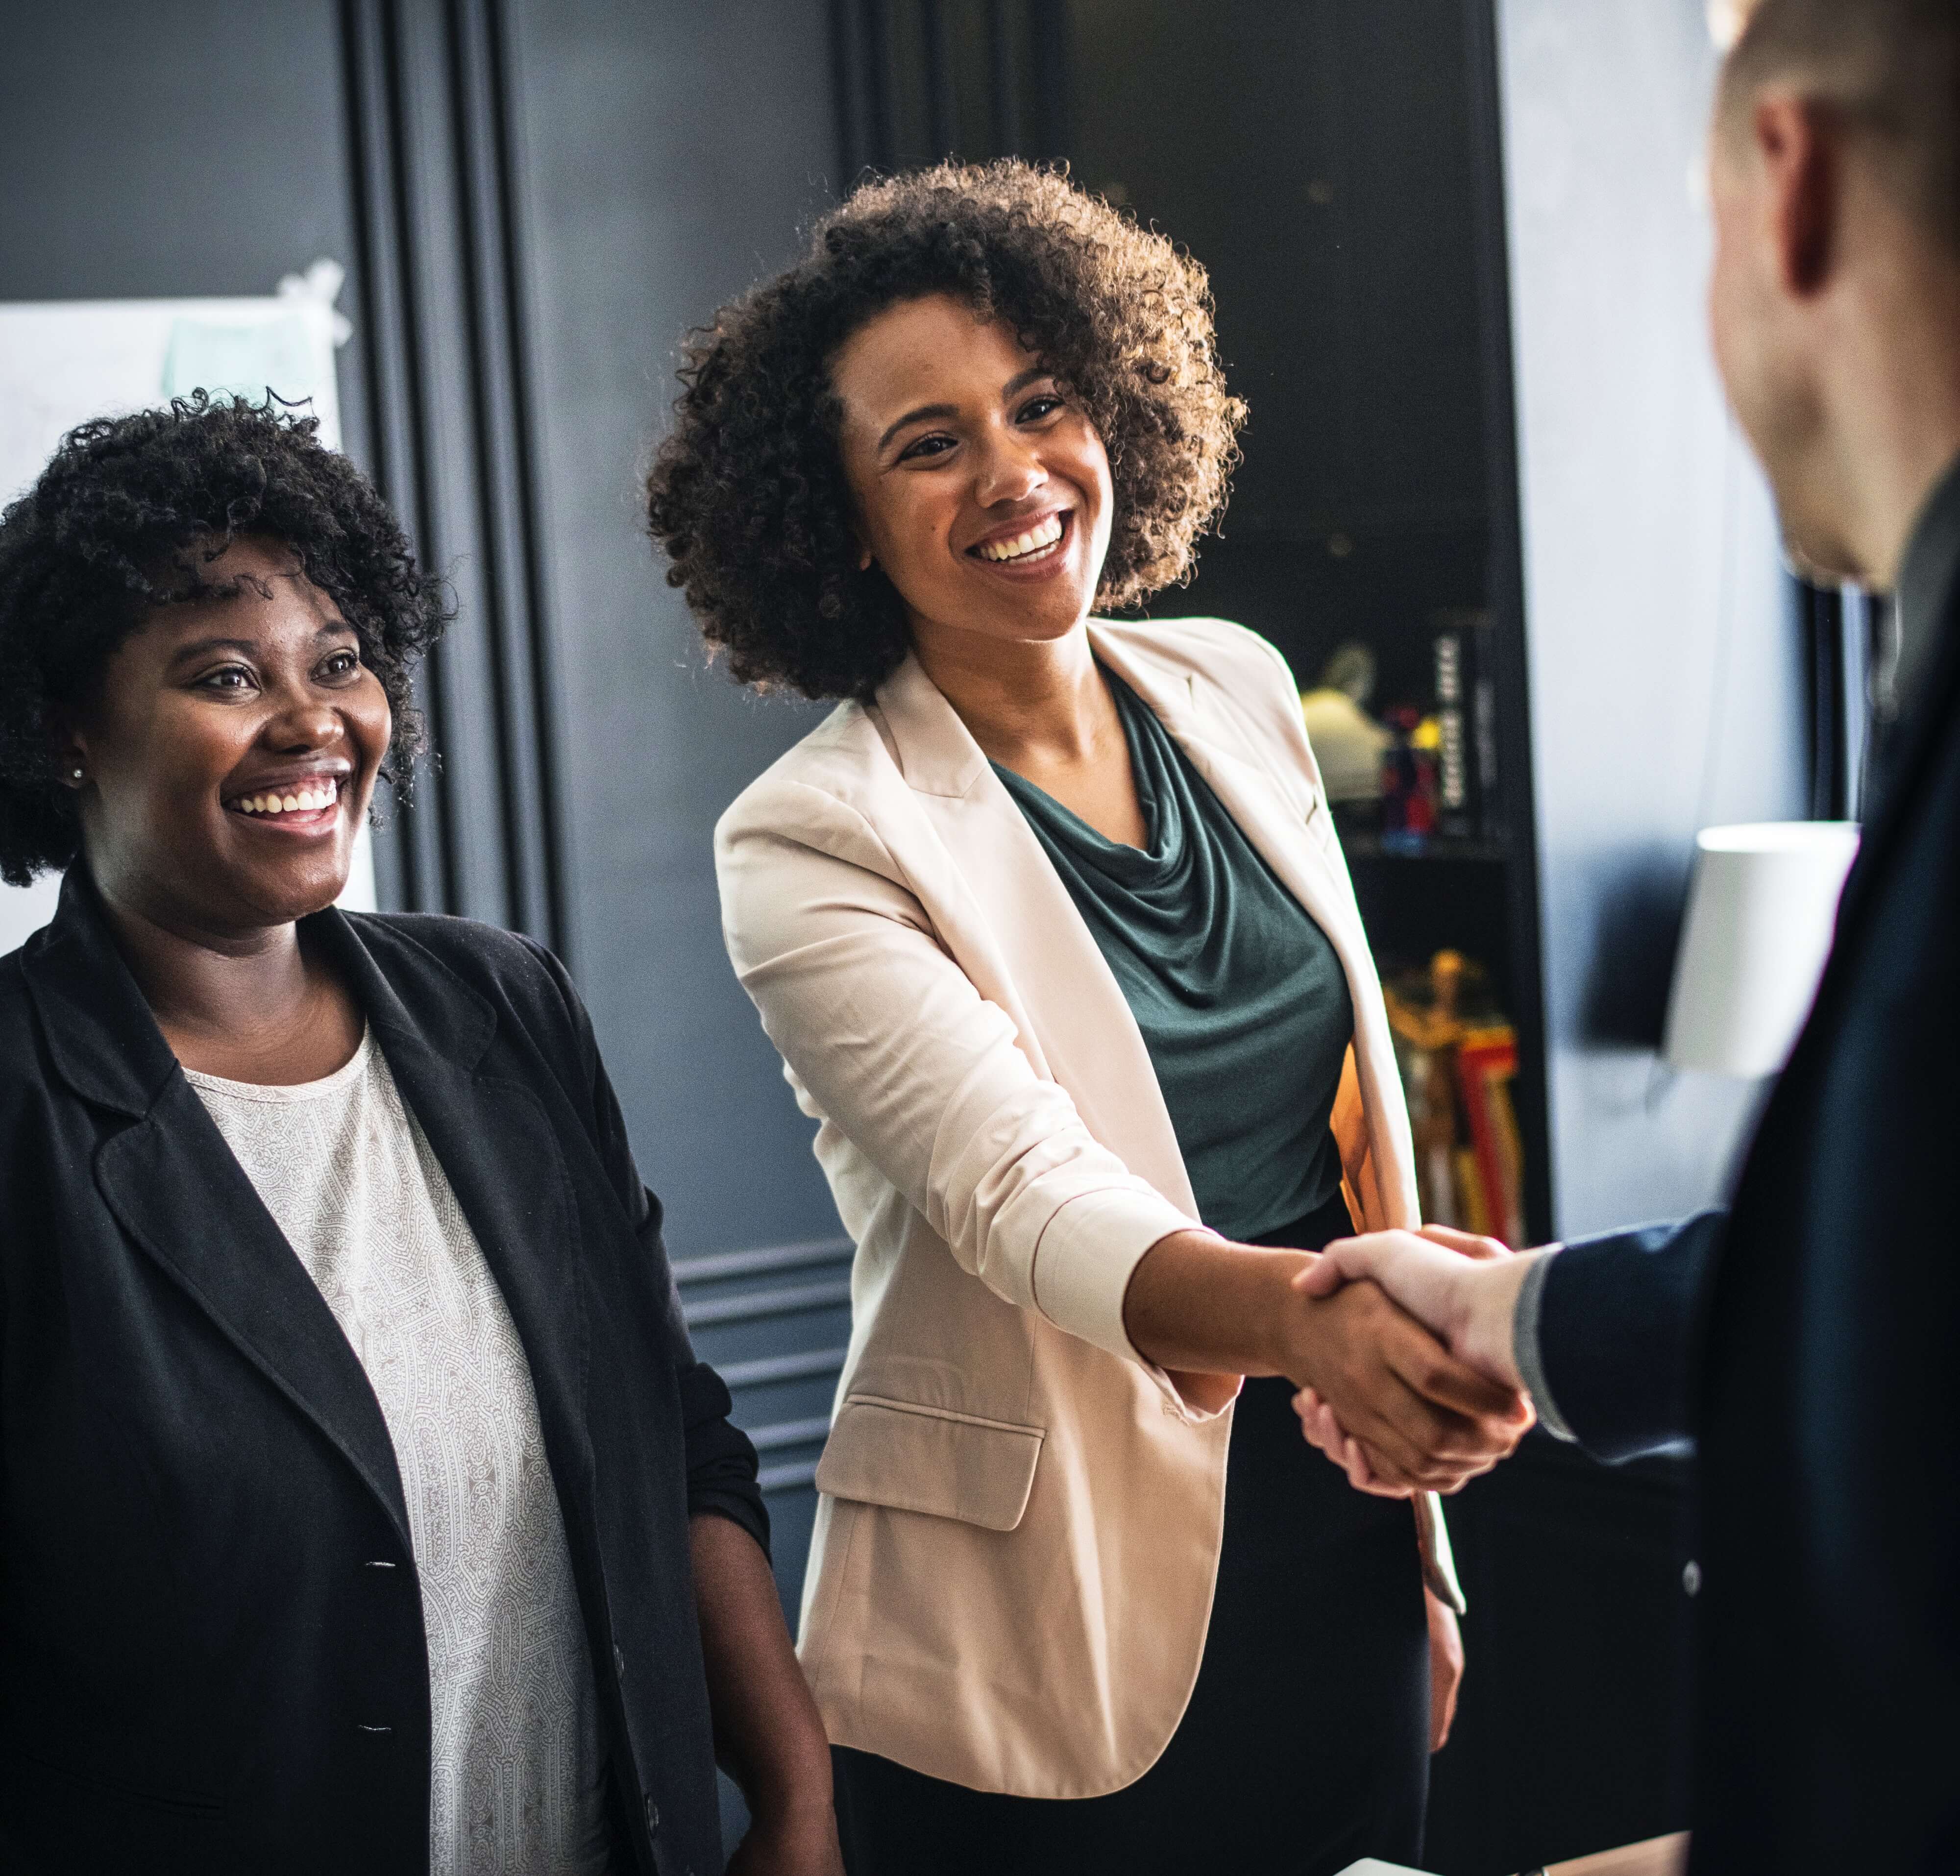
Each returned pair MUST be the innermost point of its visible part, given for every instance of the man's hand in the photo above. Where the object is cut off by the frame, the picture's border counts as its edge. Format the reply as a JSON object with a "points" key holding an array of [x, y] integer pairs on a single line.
{"points": [[1207, 1311], [1463, 1287]]}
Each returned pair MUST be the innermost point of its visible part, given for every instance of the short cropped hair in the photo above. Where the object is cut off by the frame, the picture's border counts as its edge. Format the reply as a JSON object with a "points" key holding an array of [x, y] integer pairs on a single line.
{"points": [[1892, 67], [125, 519], [747, 495]]}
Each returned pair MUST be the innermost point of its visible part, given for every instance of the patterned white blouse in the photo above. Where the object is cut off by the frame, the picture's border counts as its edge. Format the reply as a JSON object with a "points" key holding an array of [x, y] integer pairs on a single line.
{"points": [[517, 1780]]}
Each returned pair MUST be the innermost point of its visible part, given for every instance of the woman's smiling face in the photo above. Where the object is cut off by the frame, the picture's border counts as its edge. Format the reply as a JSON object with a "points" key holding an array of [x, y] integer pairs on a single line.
{"points": [[230, 752], [981, 489]]}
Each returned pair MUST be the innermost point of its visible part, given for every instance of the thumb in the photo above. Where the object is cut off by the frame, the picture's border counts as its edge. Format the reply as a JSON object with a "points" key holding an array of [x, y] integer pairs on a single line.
{"points": [[1465, 1243], [1322, 1277], [1342, 1262]]}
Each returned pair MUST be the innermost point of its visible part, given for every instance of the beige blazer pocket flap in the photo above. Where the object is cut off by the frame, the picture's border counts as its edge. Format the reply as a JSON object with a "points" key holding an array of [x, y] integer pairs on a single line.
{"points": [[909, 1457]]}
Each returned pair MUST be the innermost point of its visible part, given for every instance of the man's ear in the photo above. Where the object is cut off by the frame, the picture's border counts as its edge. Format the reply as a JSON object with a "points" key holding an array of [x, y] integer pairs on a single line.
{"points": [[1801, 155]]}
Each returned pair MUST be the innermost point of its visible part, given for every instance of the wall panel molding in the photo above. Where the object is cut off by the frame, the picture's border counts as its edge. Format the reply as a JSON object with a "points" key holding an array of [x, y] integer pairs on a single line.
{"points": [[431, 118], [918, 80]]}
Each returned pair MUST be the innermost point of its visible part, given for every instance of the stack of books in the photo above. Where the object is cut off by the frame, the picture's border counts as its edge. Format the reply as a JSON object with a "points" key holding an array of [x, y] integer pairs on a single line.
{"points": [[1457, 1056]]}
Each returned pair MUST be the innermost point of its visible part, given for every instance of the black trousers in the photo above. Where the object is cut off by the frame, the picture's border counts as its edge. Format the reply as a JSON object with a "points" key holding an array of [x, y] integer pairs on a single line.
{"points": [[1306, 1745]]}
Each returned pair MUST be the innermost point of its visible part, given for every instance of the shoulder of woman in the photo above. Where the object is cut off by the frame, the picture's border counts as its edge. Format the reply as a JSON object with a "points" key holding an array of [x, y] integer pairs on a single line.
{"points": [[826, 793], [513, 971], [1215, 651]]}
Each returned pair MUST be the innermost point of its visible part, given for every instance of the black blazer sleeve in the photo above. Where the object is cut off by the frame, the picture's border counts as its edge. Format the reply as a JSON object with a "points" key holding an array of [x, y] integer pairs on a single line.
{"points": [[722, 1463], [1617, 1329]]}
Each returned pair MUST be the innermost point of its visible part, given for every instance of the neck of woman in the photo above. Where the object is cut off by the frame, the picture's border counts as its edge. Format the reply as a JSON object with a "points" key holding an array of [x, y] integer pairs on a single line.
{"points": [[247, 1005], [1032, 705]]}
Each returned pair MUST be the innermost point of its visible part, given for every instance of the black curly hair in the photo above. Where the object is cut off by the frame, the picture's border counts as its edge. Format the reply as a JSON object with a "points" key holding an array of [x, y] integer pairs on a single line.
{"points": [[747, 494], [126, 517]]}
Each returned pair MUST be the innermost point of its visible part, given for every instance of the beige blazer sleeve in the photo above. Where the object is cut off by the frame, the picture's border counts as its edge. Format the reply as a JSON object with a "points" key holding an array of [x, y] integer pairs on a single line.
{"points": [[892, 1041]]}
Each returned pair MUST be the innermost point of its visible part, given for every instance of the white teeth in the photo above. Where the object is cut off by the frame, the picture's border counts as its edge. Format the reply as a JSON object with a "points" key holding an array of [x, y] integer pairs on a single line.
{"points": [[309, 800], [1036, 538]]}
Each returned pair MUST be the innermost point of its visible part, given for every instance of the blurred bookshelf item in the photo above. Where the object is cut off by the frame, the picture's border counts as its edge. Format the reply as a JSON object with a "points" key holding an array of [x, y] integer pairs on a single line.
{"points": [[1348, 744], [1423, 776], [1466, 716], [1458, 1055]]}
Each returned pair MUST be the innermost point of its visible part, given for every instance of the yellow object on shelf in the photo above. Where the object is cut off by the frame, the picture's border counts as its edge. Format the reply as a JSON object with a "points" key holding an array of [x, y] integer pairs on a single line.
{"points": [[1457, 1057]]}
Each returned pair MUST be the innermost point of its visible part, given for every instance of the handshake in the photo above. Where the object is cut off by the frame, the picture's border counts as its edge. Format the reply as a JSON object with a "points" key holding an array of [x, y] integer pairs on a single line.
{"points": [[1450, 1420]]}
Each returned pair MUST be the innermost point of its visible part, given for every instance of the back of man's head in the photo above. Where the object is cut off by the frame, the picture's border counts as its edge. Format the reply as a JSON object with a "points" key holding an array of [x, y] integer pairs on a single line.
{"points": [[1889, 69]]}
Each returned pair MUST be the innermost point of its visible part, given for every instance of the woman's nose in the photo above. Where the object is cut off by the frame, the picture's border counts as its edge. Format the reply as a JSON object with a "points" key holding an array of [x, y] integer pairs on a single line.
{"points": [[305, 723], [1009, 471]]}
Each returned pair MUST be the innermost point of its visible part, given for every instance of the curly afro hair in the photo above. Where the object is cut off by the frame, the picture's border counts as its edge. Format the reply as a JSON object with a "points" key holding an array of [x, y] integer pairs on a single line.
{"points": [[125, 519], [747, 494]]}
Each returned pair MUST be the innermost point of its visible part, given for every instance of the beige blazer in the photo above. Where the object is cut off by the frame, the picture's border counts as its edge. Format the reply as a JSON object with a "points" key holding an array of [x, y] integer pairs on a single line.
{"points": [[1018, 1523]]}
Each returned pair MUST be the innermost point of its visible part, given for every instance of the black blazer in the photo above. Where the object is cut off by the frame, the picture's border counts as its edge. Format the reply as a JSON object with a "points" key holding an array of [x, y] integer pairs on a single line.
{"points": [[211, 1656], [1812, 1348]]}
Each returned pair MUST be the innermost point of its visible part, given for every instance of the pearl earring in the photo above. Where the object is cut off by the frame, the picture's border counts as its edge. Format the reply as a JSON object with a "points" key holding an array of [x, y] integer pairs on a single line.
{"points": [[77, 771]]}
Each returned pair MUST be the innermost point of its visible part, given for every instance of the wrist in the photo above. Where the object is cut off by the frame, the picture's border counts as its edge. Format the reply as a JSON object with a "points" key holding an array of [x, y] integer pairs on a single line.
{"points": [[1488, 1339], [791, 1795]]}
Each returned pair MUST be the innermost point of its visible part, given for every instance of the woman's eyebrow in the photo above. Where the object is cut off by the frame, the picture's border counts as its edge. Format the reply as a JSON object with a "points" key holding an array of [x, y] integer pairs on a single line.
{"points": [[201, 647], [917, 416]]}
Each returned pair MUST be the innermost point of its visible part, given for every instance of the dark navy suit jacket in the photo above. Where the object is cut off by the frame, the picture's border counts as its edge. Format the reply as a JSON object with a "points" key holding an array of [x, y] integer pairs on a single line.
{"points": [[1809, 1344]]}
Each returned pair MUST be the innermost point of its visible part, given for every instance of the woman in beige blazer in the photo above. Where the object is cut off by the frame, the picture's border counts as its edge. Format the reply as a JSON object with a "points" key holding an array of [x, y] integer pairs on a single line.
{"points": [[1048, 922]]}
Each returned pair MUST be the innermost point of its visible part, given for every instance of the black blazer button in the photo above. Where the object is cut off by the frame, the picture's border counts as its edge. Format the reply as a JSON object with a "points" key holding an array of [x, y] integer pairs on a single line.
{"points": [[618, 1661], [653, 1815]]}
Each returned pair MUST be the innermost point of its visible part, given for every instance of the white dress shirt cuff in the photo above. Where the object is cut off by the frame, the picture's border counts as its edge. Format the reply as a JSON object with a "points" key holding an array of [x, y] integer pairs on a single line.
{"points": [[1525, 1348]]}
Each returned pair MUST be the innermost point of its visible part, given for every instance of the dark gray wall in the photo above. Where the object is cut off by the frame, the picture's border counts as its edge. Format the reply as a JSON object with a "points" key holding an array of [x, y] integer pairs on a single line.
{"points": [[1666, 690], [667, 156], [158, 147]]}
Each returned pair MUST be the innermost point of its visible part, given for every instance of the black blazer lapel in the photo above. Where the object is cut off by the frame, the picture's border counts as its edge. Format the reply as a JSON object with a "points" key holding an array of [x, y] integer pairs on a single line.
{"points": [[173, 1184]]}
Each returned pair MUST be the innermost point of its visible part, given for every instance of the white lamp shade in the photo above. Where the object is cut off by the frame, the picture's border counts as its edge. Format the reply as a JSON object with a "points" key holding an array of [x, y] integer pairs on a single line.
{"points": [[1761, 910]]}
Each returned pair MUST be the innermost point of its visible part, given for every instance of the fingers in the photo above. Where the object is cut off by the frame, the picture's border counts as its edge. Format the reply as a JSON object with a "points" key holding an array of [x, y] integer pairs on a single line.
{"points": [[1434, 1422], [1324, 1431], [1323, 1276]]}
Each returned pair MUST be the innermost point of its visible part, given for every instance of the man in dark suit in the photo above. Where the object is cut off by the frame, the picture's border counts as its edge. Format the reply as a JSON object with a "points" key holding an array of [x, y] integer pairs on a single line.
{"points": [[1809, 1340]]}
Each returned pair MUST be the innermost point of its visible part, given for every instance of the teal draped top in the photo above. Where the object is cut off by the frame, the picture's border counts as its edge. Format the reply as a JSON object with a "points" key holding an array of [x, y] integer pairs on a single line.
{"points": [[1242, 1000]]}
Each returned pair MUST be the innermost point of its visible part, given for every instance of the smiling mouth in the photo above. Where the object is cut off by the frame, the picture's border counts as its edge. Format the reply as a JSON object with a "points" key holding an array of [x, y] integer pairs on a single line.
{"points": [[310, 797], [1039, 542]]}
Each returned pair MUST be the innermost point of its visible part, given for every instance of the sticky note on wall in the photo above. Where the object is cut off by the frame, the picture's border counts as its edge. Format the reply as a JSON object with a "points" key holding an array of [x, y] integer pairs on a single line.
{"points": [[281, 354]]}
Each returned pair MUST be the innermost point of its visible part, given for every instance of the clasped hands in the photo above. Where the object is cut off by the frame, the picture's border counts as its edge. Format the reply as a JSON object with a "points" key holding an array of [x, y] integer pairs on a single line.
{"points": [[1463, 1290]]}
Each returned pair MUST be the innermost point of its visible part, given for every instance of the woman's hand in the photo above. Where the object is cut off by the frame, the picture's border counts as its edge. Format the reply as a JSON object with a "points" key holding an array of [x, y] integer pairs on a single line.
{"points": [[790, 1846], [1446, 1669], [1416, 1417]]}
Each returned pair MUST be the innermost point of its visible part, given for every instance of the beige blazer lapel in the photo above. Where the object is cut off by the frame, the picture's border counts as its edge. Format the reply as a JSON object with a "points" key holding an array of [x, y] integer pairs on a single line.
{"points": [[1002, 910], [1318, 879]]}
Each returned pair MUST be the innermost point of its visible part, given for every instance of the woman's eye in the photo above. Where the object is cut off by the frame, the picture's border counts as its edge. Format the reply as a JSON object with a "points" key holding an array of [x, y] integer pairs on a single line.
{"points": [[925, 446], [230, 677], [1037, 407], [342, 664]]}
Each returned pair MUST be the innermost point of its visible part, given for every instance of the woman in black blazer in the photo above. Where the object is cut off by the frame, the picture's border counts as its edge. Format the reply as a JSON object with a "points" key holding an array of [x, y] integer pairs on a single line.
{"points": [[225, 1569]]}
